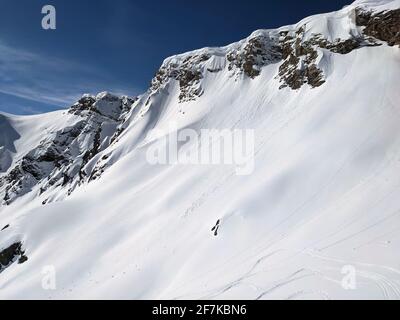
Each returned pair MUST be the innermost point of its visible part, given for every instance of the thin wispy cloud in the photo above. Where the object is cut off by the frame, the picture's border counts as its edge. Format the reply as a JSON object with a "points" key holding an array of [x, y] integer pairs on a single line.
{"points": [[50, 80]]}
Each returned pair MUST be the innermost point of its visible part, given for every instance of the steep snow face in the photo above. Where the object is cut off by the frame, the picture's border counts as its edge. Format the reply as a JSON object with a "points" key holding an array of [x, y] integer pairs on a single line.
{"points": [[318, 218]]}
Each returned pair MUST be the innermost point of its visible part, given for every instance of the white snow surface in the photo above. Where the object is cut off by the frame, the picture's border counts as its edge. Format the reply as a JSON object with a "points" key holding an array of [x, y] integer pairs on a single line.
{"points": [[324, 193]]}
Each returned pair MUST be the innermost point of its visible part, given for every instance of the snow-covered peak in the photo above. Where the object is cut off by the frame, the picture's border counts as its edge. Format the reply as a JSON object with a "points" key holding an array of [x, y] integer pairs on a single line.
{"points": [[104, 103], [63, 156]]}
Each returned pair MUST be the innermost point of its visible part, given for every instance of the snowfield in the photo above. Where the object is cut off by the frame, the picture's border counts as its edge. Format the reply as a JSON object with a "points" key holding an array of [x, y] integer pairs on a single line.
{"points": [[318, 218]]}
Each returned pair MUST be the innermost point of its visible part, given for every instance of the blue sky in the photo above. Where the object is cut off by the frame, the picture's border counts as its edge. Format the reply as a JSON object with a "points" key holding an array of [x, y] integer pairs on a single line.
{"points": [[118, 45]]}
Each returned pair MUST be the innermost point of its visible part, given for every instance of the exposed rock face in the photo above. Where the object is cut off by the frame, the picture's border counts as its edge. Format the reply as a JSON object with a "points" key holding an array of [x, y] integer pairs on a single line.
{"points": [[257, 53], [11, 254], [61, 159], [300, 56], [338, 46], [300, 65], [104, 104], [297, 54], [384, 26], [188, 73]]}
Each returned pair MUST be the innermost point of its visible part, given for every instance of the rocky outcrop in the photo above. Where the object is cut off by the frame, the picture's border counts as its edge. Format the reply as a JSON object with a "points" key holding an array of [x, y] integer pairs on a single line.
{"points": [[189, 70], [300, 62], [300, 56], [384, 26], [104, 104], [297, 54], [188, 73], [61, 159], [255, 54], [11, 254]]}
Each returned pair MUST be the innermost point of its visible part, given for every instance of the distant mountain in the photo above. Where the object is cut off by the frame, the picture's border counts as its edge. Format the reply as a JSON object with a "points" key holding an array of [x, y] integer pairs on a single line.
{"points": [[80, 196]]}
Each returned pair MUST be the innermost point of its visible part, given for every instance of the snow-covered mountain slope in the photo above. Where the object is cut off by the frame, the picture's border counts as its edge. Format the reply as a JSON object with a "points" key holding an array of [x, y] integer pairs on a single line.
{"points": [[80, 197], [56, 149]]}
